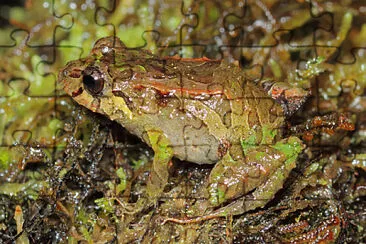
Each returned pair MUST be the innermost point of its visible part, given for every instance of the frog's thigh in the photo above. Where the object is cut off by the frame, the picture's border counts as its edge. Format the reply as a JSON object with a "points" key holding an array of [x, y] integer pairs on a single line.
{"points": [[230, 178], [263, 169], [163, 153]]}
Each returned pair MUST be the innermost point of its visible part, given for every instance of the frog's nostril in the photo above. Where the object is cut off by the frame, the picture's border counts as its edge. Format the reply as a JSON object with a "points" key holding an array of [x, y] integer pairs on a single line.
{"points": [[74, 73]]}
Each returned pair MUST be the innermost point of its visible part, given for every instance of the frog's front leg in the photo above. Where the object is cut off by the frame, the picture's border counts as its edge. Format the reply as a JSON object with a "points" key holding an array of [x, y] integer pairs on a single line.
{"points": [[159, 174], [251, 182]]}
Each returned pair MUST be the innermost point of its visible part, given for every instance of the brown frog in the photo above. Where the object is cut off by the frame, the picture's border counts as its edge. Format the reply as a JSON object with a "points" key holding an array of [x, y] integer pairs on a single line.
{"points": [[198, 110]]}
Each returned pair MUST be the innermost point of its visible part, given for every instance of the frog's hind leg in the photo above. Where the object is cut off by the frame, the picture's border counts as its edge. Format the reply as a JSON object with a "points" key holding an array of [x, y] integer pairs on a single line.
{"points": [[251, 183], [159, 174]]}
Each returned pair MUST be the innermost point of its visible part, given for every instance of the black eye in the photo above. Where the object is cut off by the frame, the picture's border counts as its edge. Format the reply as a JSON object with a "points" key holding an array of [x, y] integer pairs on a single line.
{"points": [[93, 80]]}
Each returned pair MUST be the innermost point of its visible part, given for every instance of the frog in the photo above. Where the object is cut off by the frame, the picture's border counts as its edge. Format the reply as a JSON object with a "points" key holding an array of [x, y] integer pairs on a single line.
{"points": [[197, 110]]}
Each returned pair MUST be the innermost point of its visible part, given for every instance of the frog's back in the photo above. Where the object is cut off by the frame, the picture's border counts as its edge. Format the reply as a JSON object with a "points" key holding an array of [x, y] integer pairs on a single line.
{"points": [[202, 106]]}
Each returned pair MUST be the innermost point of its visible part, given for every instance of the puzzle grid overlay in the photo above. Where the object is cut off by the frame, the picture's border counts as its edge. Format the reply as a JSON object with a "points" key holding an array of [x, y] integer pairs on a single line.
{"points": [[64, 22]]}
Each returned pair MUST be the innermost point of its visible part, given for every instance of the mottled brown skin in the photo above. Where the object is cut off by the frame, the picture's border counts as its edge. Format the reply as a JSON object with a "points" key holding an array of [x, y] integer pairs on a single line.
{"points": [[199, 110]]}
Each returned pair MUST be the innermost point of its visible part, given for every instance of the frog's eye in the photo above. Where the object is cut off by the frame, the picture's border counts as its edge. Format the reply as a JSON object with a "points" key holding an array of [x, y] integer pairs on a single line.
{"points": [[93, 80]]}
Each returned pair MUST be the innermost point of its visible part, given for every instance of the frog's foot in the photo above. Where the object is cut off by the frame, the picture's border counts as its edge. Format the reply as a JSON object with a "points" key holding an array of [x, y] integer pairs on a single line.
{"points": [[289, 97], [129, 208], [237, 207], [234, 208], [328, 123], [192, 220]]}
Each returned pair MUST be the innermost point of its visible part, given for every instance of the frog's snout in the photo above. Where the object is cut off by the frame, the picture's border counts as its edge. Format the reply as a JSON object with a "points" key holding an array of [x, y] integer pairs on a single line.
{"points": [[71, 70], [62, 77], [68, 78]]}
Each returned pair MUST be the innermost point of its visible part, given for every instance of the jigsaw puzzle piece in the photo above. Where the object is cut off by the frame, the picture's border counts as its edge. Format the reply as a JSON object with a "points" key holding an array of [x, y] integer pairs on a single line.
{"points": [[21, 137], [44, 34], [340, 90], [5, 89], [198, 144], [186, 20], [31, 20], [24, 61], [151, 40], [15, 49], [8, 112], [90, 18], [17, 115]]}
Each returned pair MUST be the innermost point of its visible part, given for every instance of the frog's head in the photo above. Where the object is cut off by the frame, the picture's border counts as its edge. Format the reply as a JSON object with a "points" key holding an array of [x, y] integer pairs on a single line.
{"points": [[88, 81]]}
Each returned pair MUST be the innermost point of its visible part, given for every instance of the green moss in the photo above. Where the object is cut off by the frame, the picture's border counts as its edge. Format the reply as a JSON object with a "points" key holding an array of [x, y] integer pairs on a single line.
{"points": [[131, 35], [345, 26], [142, 68], [311, 169], [30, 188], [276, 68], [123, 180], [4, 157], [136, 164], [107, 204]]}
